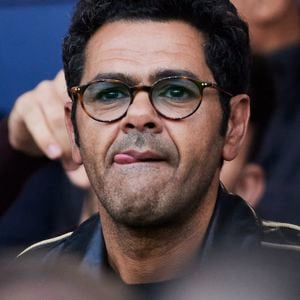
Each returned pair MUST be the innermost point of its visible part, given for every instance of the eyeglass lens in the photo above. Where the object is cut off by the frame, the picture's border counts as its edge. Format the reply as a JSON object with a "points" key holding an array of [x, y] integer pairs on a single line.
{"points": [[173, 98]]}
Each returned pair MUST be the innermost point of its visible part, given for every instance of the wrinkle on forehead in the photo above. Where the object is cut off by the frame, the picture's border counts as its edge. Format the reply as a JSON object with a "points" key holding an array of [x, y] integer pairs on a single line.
{"points": [[142, 46], [136, 29], [141, 57]]}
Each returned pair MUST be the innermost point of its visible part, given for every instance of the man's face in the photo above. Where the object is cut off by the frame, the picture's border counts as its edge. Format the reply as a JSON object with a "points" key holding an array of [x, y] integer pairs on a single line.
{"points": [[263, 12], [146, 169]]}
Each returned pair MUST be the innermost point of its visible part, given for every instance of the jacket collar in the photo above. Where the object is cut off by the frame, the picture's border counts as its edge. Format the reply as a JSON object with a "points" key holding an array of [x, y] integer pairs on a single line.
{"points": [[233, 226]]}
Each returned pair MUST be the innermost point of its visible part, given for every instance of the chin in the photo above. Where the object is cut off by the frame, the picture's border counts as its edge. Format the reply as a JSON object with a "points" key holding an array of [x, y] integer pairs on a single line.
{"points": [[141, 205], [140, 216], [147, 213], [142, 221]]}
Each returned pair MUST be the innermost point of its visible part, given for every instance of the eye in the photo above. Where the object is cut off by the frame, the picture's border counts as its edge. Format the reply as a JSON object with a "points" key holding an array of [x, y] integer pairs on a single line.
{"points": [[110, 94], [176, 92]]}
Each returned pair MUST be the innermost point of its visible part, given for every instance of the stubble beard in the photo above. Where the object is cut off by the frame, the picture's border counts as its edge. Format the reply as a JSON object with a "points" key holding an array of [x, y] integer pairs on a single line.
{"points": [[148, 196], [152, 204]]}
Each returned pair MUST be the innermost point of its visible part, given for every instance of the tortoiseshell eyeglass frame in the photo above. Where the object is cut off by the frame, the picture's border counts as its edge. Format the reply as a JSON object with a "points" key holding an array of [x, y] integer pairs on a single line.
{"points": [[77, 92]]}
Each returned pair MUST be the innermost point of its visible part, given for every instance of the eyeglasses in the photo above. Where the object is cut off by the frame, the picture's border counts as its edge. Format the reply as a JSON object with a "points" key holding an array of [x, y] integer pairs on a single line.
{"points": [[175, 98]]}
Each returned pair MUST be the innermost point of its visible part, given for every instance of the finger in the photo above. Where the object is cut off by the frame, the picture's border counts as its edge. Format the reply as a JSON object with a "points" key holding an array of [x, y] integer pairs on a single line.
{"points": [[79, 177], [59, 83], [37, 126], [26, 128], [69, 164], [60, 89], [52, 106]]}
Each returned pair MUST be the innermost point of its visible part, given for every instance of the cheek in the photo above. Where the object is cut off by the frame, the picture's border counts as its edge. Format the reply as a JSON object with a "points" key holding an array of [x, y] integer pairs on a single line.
{"points": [[189, 140], [95, 139], [197, 138]]}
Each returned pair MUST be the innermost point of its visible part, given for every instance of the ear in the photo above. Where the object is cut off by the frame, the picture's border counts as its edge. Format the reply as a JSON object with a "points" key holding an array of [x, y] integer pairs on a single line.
{"points": [[70, 128], [251, 183], [237, 126]]}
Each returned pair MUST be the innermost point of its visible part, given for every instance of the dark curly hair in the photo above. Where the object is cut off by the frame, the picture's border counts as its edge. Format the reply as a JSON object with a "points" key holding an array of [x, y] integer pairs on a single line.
{"points": [[226, 36]]}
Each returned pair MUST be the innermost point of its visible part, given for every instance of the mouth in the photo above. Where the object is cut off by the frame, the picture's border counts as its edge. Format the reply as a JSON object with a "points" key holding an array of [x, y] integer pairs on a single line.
{"points": [[132, 156]]}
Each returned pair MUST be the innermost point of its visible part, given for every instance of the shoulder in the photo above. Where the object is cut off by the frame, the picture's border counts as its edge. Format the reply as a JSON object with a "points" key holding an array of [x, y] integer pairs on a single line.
{"points": [[277, 235], [69, 243], [45, 245], [274, 237]]}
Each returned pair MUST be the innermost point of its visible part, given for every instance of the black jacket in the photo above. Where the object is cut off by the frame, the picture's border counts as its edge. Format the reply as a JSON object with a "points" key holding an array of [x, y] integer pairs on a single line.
{"points": [[234, 225], [234, 229]]}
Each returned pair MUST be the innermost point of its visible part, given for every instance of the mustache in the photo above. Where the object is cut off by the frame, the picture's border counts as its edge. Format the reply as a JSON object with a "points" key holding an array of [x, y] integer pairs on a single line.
{"points": [[144, 141]]}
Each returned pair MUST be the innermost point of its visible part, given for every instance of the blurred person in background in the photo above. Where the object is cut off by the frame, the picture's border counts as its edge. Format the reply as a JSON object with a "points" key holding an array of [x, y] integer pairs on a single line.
{"points": [[27, 56], [27, 169], [275, 33], [242, 278], [273, 24], [31, 280], [37, 199], [244, 175]]}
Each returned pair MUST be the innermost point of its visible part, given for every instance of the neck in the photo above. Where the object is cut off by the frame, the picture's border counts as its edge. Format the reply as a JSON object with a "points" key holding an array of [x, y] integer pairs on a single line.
{"points": [[157, 254], [276, 35]]}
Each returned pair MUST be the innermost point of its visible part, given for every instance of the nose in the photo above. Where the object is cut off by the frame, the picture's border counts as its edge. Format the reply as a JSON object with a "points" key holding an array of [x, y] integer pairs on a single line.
{"points": [[142, 116]]}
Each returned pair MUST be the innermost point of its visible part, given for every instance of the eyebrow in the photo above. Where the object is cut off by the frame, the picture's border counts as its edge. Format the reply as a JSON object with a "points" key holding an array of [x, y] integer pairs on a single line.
{"points": [[163, 73], [129, 80], [155, 76]]}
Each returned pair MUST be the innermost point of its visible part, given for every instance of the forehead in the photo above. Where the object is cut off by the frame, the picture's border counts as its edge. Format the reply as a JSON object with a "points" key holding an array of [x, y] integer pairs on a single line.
{"points": [[140, 48]]}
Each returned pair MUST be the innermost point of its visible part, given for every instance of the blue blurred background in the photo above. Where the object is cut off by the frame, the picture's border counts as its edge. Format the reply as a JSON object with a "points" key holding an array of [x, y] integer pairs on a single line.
{"points": [[31, 33]]}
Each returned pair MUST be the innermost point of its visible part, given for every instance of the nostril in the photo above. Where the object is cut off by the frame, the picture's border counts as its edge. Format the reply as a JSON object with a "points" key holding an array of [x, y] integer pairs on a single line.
{"points": [[129, 125], [150, 125]]}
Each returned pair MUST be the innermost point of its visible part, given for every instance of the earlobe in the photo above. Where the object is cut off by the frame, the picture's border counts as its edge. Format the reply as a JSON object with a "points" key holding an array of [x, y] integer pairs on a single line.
{"points": [[237, 126], [71, 133]]}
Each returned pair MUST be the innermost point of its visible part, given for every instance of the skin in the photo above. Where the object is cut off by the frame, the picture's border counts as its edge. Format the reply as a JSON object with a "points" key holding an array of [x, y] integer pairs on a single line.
{"points": [[273, 24], [154, 214], [244, 178], [232, 170], [44, 106]]}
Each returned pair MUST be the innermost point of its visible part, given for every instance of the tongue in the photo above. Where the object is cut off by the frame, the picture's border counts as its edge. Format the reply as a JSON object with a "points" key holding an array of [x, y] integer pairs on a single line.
{"points": [[124, 159]]}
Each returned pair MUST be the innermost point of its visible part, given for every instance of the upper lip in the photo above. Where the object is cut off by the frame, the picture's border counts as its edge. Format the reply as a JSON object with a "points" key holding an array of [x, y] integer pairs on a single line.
{"points": [[147, 155]]}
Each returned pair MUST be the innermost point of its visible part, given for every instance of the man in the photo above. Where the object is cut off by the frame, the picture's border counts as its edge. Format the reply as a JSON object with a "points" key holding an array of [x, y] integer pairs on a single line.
{"points": [[244, 175], [273, 24], [159, 102], [275, 33]]}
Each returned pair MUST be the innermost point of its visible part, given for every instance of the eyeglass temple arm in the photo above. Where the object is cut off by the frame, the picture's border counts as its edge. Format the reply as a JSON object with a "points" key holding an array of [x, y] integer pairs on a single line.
{"points": [[215, 86]]}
